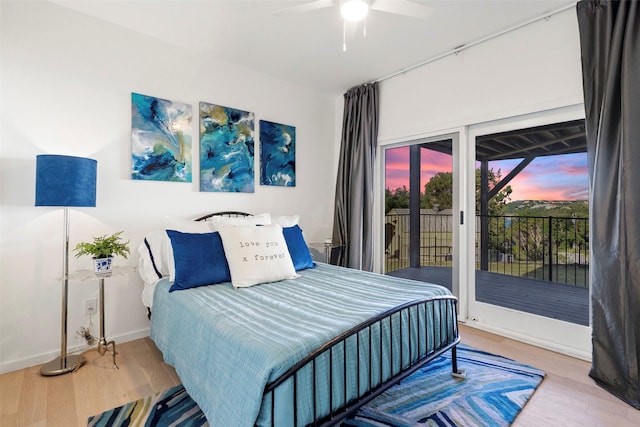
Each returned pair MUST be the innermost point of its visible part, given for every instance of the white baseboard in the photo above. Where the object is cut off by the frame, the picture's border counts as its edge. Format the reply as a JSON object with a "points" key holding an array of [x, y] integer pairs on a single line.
{"points": [[47, 357], [547, 345]]}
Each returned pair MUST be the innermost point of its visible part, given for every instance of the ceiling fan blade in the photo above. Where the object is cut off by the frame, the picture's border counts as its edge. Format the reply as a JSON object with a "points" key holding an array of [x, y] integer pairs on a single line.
{"points": [[402, 7], [305, 7]]}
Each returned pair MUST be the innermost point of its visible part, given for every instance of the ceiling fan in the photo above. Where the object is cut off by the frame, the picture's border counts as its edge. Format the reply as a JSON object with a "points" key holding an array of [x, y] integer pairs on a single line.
{"points": [[357, 10]]}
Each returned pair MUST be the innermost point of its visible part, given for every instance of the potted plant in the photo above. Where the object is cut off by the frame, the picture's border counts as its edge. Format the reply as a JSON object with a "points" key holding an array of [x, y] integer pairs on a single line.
{"points": [[103, 249]]}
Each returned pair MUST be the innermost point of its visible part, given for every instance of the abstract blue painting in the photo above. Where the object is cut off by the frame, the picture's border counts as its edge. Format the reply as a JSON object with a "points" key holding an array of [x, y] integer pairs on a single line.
{"points": [[277, 154], [226, 149], [160, 139]]}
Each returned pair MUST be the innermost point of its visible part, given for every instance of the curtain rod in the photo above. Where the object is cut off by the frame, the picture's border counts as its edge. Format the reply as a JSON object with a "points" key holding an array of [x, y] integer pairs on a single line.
{"points": [[476, 42]]}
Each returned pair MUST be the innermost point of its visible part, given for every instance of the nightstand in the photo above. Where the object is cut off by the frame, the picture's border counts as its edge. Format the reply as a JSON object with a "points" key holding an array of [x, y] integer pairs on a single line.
{"points": [[83, 275], [326, 247]]}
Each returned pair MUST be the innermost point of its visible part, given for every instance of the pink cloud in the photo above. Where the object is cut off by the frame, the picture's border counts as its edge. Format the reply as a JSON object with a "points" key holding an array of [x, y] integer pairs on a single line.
{"points": [[550, 178], [546, 178], [397, 166]]}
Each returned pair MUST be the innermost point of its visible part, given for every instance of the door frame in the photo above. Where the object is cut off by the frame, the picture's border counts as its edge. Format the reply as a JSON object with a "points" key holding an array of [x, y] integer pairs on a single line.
{"points": [[458, 138], [556, 335]]}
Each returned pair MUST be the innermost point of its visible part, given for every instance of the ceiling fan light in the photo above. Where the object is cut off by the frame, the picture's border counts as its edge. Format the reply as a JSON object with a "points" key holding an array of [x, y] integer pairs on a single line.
{"points": [[354, 10]]}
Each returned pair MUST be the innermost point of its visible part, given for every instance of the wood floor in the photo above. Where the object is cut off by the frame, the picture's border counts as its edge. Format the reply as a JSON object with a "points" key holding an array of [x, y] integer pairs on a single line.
{"points": [[567, 396]]}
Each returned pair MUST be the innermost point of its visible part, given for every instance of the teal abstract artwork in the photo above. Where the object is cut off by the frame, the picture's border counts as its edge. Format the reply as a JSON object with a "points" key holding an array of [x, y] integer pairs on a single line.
{"points": [[277, 154], [160, 139], [226, 149]]}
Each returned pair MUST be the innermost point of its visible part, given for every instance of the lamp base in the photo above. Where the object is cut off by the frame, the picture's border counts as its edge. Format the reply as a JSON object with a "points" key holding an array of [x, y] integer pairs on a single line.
{"points": [[59, 366]]}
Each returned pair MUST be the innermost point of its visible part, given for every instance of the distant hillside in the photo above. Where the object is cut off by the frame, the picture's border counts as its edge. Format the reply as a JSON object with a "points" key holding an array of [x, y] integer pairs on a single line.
{"points": [[548, 208]]}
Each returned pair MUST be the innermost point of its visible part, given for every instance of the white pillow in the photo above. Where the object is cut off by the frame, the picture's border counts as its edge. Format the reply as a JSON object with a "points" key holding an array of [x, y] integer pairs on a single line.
{"points": [[146, 269], [256, 254], [158, 256], [160, 244], [187, 226], [286, 221], [220, 221]]}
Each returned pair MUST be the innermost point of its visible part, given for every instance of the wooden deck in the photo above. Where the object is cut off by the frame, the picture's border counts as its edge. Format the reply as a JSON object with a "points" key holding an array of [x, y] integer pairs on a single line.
{"points": [[554, 300]]}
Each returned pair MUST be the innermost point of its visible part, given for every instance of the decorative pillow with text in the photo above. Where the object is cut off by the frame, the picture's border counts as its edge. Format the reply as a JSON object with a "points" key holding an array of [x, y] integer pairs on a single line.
{"points": [[256, 254]]}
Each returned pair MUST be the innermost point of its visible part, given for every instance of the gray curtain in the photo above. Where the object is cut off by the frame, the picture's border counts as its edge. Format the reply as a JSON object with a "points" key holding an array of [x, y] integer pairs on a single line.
{"points": [[353, 213], [610, 45]]}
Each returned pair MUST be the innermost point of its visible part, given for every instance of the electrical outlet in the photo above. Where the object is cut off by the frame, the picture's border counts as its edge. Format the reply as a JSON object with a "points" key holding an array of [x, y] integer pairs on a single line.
{"points": [[90, 306]]}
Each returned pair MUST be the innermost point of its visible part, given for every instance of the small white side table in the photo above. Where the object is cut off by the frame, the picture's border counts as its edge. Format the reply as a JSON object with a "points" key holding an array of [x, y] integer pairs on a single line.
{"points": [[83, 275], [327, 246]]}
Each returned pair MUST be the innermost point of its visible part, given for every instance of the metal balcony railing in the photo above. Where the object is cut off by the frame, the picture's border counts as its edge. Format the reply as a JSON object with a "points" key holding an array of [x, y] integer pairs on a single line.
{"points": [[554, 249]]}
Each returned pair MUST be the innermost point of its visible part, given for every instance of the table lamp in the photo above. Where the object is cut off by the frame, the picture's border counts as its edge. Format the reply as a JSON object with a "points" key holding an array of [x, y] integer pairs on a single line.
{"points": [[65, 181]]}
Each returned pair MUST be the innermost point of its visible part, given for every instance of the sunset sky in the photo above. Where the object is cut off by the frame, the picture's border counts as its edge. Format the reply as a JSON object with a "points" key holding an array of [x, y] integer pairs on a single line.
{"points": [[562, 177]]}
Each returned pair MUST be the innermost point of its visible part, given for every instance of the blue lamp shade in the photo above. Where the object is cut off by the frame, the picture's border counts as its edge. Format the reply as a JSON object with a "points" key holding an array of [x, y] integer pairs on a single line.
{"points": [[65, 181]]}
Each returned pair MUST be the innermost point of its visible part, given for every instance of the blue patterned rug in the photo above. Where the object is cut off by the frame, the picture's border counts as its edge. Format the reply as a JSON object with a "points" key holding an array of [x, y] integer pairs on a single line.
{"points": [[494, 392]]}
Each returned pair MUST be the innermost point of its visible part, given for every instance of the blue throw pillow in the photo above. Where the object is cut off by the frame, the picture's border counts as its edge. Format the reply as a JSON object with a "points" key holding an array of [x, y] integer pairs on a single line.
{"points": [[199, 260], [298, 248]]}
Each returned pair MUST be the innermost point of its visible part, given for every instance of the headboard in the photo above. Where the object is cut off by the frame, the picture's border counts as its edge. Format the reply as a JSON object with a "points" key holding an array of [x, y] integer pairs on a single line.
{"points": [[224, 213]]}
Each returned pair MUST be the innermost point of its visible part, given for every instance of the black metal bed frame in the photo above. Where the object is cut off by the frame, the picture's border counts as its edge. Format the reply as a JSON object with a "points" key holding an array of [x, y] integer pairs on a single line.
{"points": [[403, 316], [225, 213], [440, 311]]}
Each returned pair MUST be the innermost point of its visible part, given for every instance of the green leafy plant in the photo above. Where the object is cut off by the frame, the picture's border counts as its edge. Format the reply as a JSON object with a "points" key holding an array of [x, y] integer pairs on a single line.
{"points": [[104, 247]]}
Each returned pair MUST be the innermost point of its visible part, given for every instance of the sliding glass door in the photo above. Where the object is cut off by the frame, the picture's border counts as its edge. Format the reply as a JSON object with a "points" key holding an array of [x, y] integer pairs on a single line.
{"points": [[529, 244], [420, 213]]}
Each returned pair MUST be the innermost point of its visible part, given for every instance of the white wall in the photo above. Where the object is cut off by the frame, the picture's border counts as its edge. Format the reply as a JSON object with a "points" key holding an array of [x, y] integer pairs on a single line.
{"points": [[66, 89], [531, 69]]}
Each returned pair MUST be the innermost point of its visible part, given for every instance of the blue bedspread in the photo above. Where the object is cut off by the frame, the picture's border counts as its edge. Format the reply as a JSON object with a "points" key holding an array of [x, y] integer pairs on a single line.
{"points": [[226, 344]]}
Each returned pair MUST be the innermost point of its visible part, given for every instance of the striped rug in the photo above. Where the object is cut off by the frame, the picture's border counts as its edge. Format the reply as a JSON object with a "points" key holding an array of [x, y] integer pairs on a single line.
{"points": [[494, 392]]}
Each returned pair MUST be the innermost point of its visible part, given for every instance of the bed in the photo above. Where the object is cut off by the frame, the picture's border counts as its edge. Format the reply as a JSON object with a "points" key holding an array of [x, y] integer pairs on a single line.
{"points": [[309, 349]]}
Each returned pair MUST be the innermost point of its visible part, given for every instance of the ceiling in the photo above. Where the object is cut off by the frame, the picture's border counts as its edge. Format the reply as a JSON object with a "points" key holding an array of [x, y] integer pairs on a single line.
{"points": [[306, 49]]}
